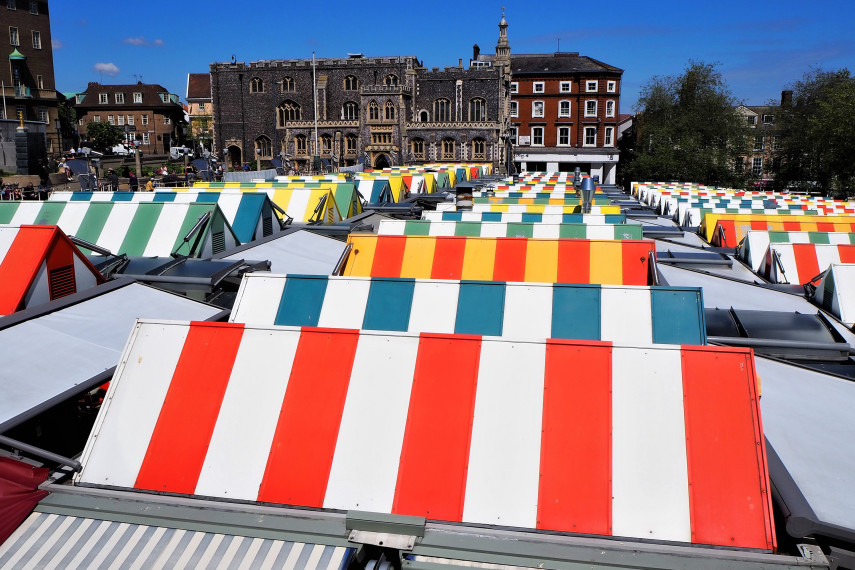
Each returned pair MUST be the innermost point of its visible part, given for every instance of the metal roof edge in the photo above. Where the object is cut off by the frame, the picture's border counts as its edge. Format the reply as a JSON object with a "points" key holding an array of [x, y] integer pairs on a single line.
{"points": [[251, 244]]}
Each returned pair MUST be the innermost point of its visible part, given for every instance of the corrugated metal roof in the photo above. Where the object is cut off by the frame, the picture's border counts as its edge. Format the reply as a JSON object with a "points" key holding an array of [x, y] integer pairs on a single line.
{"points": [[300, 252]]}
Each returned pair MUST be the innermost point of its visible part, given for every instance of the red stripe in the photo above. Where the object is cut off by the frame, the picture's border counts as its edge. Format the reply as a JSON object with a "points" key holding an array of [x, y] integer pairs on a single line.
{"points": [[388, 256], [574, 261], [183, 430], [19, 267], [448, 258], [807, 265], [791, 226], [846, 253], [729, 497], [729, 233], [824, 227], [435, 454], [510, 259], [298, 467], [575, 492], [636, 261]]}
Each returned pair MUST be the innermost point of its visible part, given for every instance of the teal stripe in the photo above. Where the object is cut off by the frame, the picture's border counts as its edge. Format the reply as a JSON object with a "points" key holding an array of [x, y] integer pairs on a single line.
{"points": [[677, 316], [208, 196], [247, 217], [417, 228], [576, 312], [301, 301], [122, 197], [480, 308], [615, 218], [49, 213], [572, 218], [389, 304], [7, 211], [164, 196], [80, 196], [491, 217], [531, 218], [452, 216]]}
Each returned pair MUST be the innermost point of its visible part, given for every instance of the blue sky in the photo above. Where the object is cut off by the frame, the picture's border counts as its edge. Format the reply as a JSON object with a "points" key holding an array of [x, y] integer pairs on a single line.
{"points": [[761, 46]]}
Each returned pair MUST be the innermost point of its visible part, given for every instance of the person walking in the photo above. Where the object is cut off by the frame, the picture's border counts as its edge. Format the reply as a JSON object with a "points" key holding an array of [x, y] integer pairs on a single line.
{"points": [[112, 181], [133, 182]]}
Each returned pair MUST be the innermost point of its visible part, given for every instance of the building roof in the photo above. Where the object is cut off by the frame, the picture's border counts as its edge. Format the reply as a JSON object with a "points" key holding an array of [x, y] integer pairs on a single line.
{"points": [[153, 96], [198, 87], [557, 63]]}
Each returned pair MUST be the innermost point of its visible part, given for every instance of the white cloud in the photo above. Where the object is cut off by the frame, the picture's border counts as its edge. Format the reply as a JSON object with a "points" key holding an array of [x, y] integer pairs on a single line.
{"points": [[140, 41], [56, 44], [158, 42], [108, 68]]}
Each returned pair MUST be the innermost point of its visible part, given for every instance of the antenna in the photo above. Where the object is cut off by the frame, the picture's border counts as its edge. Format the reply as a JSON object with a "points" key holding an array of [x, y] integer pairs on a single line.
{"points": [[138, 77], [559, 44]]}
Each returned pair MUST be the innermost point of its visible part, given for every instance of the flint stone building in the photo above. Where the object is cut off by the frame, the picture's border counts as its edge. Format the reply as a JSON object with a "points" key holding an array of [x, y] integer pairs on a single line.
{"points": [[380, 111]]}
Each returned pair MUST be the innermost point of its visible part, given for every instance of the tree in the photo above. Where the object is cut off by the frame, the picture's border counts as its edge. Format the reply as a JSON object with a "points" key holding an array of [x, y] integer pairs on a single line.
{"points": [[818, 149], [687, 129], [104, 135]]}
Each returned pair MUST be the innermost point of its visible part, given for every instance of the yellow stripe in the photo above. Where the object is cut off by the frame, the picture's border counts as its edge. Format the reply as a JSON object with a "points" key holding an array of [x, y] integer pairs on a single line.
{"points": [[607, 262], [361, 257], [418, 257], [479, 258], [541, 261]]}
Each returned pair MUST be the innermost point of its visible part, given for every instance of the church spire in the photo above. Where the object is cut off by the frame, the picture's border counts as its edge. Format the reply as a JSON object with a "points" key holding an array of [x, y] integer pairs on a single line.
{"points": [[503, 49]]}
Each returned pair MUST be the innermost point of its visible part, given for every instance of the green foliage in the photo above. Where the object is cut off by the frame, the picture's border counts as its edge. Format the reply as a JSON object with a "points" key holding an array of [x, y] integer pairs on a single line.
{"points": [[67, 119], [687, 129], [104, 136], [818, 149]]}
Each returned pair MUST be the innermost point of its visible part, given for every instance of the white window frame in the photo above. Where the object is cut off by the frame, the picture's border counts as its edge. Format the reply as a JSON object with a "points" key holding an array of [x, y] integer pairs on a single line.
{"points": [[538, 87], [610, 108], [585, 139], [144, 119], [515, 109], [130, 120], [559, 143], [120, 98], [591, 85], [137, 97], [43, 115], [542, 109], [608, 137], [515, 87], [588, 112], [103, 99], [611, 86], [111, 119], [751, 120], [757, 166], [96, 118], [569, 108], [512, 134], [167, 120], [37, 39], [40, 81], [14, 36], [565, 87], [120, 120], [34, 8], [146, 139], [539, 130], [768, 119]]}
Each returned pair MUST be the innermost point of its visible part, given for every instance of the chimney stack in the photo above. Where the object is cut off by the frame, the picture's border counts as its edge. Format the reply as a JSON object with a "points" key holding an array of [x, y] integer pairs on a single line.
{"points": [[476, 51], [786, 98]]}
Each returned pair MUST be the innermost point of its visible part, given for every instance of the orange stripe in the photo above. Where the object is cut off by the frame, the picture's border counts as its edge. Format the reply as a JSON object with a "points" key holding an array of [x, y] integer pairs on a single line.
{"points": [[575, 492], [729, 500], [435, 453], [20, 266], [448, 258], [510, 259], [301, 455], [187, 418], [574, 261], [807, 266], [388, 256]]}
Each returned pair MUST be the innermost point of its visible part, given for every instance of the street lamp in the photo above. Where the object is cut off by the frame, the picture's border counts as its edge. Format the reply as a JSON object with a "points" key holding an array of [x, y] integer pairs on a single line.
{"points": [[58, 126]]}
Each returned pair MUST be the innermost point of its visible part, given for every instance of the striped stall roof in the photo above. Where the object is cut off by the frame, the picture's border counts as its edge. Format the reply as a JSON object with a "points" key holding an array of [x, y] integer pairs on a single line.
{"points": [[836, 292], [132, 228], [658, 442], [735, 225], [567, 200], [753, 247], [605, 262], [802, 262], [670, 315], [534, 208], [250, 214], [451, 216], [62, 541], [510, 229]]}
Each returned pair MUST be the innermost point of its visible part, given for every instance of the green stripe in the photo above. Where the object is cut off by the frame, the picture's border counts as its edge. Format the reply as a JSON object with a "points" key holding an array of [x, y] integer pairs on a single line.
{"points": [[49, 213], [471, 229], [94, 220], [779, 237], [193, 213], [577, 231], [140, 229], [818, 237], [7, 211], [519, 229], [417, 228]]}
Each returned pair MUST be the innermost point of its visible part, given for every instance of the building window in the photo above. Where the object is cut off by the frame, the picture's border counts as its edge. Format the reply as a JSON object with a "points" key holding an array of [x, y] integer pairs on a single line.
{"points": [[34, 8], [611, 86], [563, 136], [350, 111], [479, 149], [391, 80], [326, 144], [120, 97], [389, 111], [751, 120], [166, 120], [537, 87], [417, 147], [40, 81], [37, 39], [768, 119], [757, 167], [351, 83], [96, 119], [441, 110], [477, 110], [537, 108], [350, 144], [137, 97], [130, 120], [776, 143], [758, 142], [423, 116], [515, 109], [564, 108], [591, 86], [256, 85], [515, 87], [590, 108], [287, 84], [447, 149], [165, 97], [111, 119], [564, 87], [145, 139], [120, 120], [300, 144], [144, 119], [288, 111], [608, 137], [43, 115], [10, 4], [103, 98], [381, 138], [373, 111], [537, 136], [13, 36], [610, 108], [590, 136], [512, 134]]}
